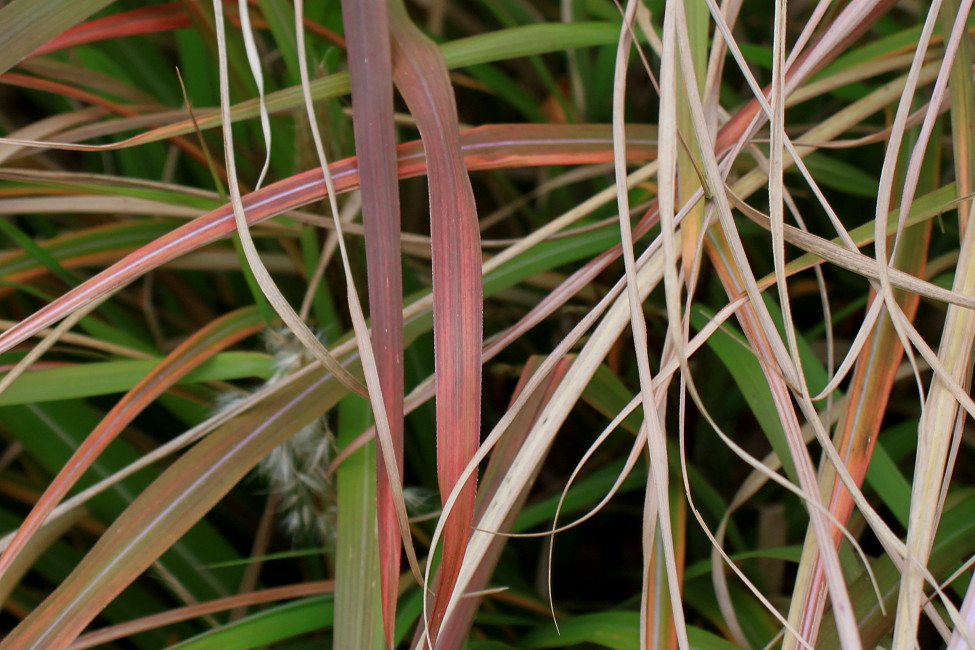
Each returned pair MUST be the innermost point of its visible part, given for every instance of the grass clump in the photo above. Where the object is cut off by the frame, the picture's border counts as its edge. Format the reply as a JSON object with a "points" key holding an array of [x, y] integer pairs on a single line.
{"points": [[663, 309]]}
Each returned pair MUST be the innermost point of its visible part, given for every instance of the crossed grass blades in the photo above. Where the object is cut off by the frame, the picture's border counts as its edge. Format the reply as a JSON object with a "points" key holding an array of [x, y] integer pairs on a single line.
{"points": [[548, 324]]}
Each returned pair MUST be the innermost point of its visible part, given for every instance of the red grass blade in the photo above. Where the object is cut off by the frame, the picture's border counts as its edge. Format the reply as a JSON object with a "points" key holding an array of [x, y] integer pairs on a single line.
{"points": [[144, 20], [455, 634], [421, 76], [488, 147], [371, 75]]}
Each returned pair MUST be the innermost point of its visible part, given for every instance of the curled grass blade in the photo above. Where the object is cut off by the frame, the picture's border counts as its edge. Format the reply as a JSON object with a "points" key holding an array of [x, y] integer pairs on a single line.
{"points": [[554, 413], [270, 289], [858, 430], [937, 429], [495, 46]]}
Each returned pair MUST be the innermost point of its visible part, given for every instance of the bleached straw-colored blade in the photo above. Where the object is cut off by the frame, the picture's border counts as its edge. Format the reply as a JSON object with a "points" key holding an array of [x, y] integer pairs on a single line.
{"points": [[937, 429]]}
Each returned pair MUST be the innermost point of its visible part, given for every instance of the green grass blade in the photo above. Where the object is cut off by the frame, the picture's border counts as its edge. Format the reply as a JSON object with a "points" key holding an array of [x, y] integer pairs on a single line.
{"points": [[270, 626], [358, 609]]}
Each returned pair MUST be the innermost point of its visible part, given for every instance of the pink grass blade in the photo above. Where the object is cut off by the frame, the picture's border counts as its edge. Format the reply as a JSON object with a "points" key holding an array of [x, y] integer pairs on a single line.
{"points": [[371, 74], [454, 635], [490, 147], [191, 353], [145, 20], [421, 76]]}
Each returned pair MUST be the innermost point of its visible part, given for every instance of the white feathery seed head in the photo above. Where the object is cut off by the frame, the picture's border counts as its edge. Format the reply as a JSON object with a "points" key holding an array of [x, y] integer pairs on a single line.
{"points": [[296, 471]]}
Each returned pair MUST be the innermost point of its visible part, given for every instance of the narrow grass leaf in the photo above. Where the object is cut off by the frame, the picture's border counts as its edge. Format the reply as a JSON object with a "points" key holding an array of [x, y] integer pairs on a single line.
{"points": [[144, 20], [95, 246], [938, 420], [459, 629], [955, 539], [72, 381], [495, 46], [297, 326], [274, 594], [358, 607], [963, 139], [747, 375], [421, 76], [30, 248], [270, 626], [869, 392], [371, 72], [553, 415], [619, 630], [51, 434]]}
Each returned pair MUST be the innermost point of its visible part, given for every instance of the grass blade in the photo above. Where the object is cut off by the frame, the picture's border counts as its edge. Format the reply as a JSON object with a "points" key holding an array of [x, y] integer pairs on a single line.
{"points": [[358, 606], [371, 72], [421, 76], [487, 148]]}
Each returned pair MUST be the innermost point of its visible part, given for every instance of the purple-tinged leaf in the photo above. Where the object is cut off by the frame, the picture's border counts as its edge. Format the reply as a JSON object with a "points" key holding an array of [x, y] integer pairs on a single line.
{"points": [[421, 76], [371, 75]]}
